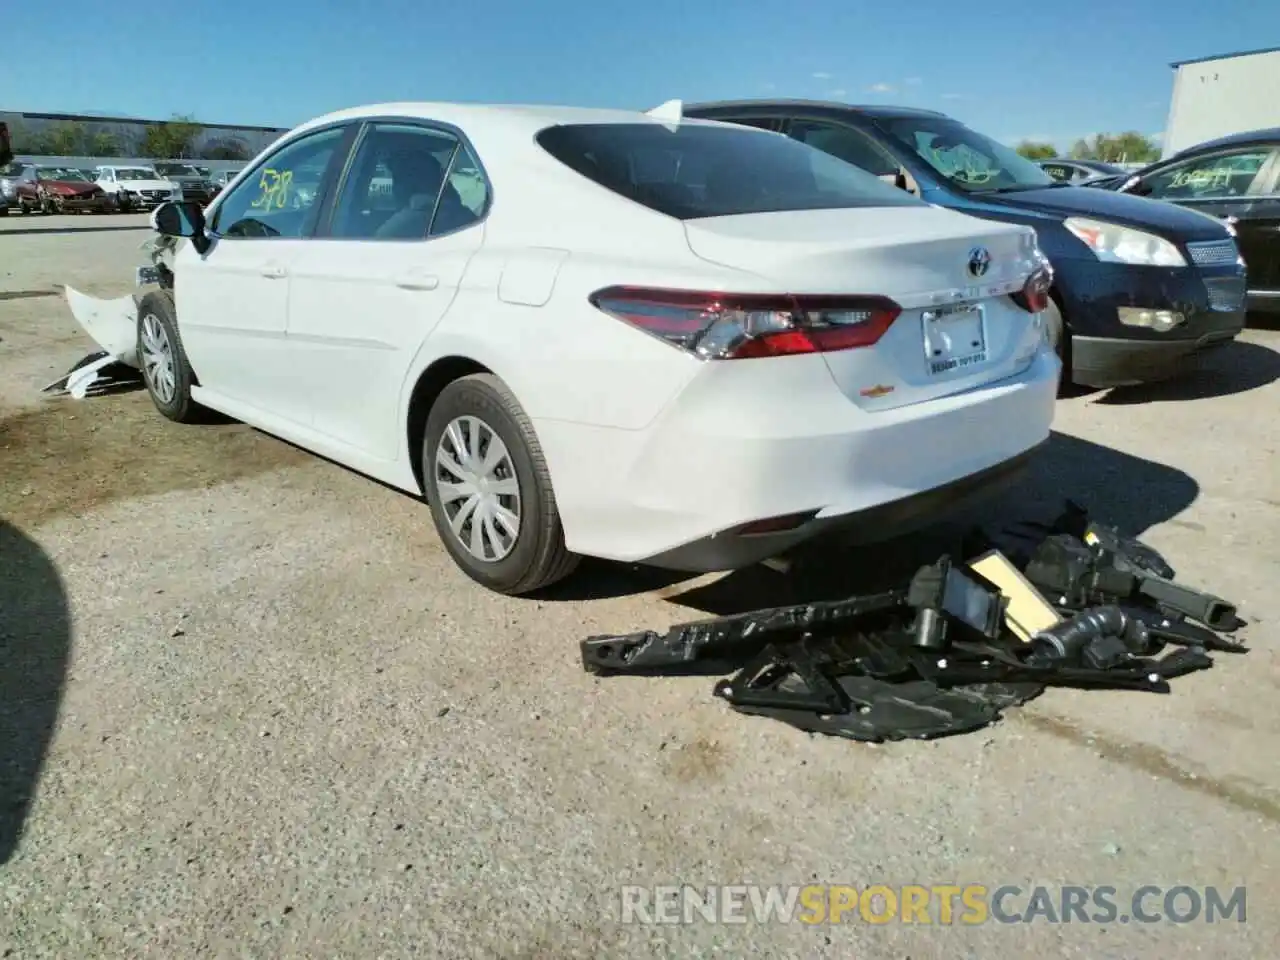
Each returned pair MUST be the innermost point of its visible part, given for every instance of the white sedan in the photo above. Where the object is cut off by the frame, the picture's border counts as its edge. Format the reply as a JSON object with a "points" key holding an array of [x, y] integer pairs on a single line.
{"points": [[604, 333]]}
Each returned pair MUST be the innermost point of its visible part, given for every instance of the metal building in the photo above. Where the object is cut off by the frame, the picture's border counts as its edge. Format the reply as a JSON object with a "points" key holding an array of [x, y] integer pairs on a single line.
{"points": [[1217, 96]]}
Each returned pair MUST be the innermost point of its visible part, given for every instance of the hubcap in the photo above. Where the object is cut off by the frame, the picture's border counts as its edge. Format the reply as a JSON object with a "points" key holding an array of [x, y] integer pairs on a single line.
{"points": [[478, 491], [157, 359]]}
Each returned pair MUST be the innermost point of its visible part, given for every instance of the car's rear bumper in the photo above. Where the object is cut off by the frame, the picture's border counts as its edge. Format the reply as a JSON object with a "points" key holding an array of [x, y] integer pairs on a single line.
{"points": [[802, 458]]}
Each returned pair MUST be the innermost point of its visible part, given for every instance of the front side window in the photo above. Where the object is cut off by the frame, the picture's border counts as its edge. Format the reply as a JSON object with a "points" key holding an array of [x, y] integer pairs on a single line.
{"points": [[967, 159], [1219, 175], [1058, 171], [709, 170], [408, 182], [280, 199]]}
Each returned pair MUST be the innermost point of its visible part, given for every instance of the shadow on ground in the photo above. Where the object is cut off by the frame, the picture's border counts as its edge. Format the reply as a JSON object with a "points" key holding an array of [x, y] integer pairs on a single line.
{"points": [[35, 644], [1117, 488], [1237, 367], [51, 231]]}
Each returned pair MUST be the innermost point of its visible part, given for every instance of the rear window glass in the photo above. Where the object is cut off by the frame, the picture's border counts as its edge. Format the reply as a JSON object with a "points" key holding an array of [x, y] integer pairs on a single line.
{"points": [[698, 170]]}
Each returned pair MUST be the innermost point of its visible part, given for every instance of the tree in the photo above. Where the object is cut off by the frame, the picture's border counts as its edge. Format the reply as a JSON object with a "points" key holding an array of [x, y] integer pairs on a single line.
{"points": [[105, 144], [67, 139], [27, 141], [1037, 151], [1127, 147], [170, 139], [225, 148]]}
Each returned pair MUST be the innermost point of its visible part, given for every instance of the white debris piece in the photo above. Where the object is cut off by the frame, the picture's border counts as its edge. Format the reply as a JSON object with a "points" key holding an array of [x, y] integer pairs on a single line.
{"points": [[113, 325]]}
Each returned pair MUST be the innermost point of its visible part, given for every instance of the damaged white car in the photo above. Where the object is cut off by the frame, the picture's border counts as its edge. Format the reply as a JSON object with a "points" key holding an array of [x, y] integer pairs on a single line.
{"points": [[602, 333]]}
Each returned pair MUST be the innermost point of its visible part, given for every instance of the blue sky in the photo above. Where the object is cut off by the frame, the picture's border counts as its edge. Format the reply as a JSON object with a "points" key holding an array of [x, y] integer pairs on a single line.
{"points": [[1053, 71]]}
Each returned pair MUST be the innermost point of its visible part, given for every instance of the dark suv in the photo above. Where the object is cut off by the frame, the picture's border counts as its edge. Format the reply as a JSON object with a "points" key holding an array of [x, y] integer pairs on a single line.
{"points": [[1140, 286]]}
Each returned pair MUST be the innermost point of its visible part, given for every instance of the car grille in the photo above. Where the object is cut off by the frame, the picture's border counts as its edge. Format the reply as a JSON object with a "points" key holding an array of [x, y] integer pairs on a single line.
{"points": [[156, 194], [1215, 253], [1226, 294]]}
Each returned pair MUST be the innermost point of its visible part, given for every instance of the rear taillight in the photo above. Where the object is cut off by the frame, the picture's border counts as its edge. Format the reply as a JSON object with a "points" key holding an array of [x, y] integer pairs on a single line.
{"points": [[1034, 296], [730, 326]]}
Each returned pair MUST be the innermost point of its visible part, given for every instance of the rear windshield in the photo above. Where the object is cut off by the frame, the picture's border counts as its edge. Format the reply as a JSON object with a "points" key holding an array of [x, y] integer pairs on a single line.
{"points": [[698, 170]]}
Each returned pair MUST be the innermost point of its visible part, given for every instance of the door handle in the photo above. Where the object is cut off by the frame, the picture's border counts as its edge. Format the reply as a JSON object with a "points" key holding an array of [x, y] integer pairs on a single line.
{"points": [[418, 281], [273, 271]]}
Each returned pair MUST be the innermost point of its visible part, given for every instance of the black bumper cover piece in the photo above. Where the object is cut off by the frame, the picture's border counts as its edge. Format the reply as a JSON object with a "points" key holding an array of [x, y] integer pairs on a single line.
{"points": [[935, 657]]}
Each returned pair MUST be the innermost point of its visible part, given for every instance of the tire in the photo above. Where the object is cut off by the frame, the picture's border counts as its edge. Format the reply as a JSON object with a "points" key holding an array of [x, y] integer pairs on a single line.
{"points": [[537, 557], [1059, 338], [4, 211], [158, 336]]}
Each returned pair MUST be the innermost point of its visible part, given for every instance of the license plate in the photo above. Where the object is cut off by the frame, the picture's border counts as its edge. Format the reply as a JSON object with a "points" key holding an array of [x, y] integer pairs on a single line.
{"points": [[954, 337], [146, 275]]}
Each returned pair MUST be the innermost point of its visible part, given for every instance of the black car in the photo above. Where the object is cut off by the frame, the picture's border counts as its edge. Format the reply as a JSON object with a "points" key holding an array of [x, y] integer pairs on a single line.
{"points": [[1139, 286], [196, 182], [1236, 178]]}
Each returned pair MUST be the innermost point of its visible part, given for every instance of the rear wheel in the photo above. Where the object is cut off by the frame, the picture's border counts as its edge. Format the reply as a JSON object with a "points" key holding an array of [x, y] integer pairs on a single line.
{"points": [[490, 490], [165, 367]]}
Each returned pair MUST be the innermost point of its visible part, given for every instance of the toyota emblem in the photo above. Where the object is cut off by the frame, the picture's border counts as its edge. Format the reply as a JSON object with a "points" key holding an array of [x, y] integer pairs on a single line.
{"points": [[979, 261]]}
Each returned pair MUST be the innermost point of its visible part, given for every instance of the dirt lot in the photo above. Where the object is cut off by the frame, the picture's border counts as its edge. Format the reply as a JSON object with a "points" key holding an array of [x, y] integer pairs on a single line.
{"points": [[247, 706]]}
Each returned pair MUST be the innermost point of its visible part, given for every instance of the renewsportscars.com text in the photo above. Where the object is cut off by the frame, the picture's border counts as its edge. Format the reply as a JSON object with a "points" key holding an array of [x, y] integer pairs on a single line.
{"points": [[943, 904]]}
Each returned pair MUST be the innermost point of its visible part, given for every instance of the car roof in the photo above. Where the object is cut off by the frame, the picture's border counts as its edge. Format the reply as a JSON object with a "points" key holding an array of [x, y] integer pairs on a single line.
{"points": [[831, 107], [1267, 135], [490, 118]]}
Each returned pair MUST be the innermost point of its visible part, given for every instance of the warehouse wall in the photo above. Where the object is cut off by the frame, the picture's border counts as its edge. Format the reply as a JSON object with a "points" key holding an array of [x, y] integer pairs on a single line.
{"points": [[1214, 98]]}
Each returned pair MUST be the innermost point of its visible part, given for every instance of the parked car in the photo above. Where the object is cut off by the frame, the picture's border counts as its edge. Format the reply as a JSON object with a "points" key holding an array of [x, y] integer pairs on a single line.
{"points": [[222, 178], [1078, 171], [1236, 179], [196, 181], [10, 174], [1139, 287], [136, 188], [591, 332], [58, 190]]}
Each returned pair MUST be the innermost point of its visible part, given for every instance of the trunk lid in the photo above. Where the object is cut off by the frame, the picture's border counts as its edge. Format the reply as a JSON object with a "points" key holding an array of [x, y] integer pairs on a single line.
{"points": [[958, 328]]}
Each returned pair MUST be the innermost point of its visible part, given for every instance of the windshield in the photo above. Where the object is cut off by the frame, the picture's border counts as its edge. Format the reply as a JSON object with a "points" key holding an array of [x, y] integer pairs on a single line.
{"points": [[59, 173], [178, 170], [135, 173], [967, 159], [698, 170]]}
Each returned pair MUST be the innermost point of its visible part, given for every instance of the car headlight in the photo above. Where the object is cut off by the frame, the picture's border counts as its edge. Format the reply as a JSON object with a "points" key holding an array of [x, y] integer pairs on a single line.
{"points": [[1114, 243]]}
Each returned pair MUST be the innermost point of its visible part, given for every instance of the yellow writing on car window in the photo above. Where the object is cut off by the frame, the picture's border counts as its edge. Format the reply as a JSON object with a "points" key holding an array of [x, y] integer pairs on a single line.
{"points": [[274, 186]]}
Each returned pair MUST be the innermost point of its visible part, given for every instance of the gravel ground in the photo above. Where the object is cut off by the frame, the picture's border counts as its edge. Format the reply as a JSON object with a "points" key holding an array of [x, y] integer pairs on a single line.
{"points": [[249, 708]]}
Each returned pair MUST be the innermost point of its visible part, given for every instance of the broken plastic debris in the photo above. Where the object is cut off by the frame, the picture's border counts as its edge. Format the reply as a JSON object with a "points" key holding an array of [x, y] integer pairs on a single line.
{"points": [[97, 374], [113, 324]]}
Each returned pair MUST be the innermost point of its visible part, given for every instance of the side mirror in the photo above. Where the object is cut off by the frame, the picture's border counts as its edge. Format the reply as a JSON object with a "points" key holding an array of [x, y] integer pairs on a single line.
{"points": [[182, 218]]}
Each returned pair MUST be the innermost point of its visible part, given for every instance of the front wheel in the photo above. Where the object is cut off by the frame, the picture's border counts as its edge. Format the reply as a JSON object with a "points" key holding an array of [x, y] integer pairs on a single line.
{"points": [[165, 367], [1059, 338], [489, 489]]}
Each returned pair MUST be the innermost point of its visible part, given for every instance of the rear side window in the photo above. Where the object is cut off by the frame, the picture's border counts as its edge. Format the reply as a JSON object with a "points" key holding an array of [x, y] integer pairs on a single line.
{"points": [[849, 145], [698, 170]]}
